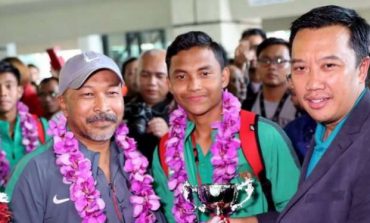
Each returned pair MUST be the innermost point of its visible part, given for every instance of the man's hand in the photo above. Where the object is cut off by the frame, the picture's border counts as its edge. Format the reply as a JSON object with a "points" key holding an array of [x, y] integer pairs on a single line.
{"points": [[157, 126], [242, 55]]}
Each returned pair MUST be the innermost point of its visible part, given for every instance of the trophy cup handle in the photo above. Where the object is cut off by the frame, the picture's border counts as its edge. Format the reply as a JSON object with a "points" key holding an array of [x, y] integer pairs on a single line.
{"points": [[248, 188], [187, 192]]}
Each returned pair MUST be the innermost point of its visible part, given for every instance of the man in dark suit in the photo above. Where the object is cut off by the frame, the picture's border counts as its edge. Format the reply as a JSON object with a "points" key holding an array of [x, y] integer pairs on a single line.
{"points": [[329, 68], [330, 61]]}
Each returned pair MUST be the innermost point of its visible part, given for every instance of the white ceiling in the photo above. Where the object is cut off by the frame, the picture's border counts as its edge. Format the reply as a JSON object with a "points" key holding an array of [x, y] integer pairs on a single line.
{"points": [[41, 22]]}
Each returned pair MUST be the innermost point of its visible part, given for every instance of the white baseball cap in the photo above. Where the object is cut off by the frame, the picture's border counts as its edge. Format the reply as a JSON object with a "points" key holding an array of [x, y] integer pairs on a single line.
{"points": [[79, 68]]}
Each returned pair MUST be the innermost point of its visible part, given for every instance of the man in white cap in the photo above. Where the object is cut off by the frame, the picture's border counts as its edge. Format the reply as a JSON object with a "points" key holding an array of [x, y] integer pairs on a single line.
{"points": [[90, 171]]}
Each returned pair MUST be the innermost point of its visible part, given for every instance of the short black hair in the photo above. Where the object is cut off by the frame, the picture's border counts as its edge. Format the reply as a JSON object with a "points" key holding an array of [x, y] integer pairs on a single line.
{"points": [[192, 39], [32, 66], [6, 67], [48, 79], [331, 15], [269, 42], [253, 32], [126, 63]]}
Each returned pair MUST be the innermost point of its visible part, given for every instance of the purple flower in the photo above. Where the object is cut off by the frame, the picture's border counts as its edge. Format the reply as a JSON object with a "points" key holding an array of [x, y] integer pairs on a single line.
{"points": [[29, 140], [224, 153], [76, 171], [29, 128], [4, 168], [144, 200]]}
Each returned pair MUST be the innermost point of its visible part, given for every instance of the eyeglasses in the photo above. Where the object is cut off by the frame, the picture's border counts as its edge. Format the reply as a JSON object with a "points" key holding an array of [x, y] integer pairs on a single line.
{"points": [[278, 61], [46, 94]]}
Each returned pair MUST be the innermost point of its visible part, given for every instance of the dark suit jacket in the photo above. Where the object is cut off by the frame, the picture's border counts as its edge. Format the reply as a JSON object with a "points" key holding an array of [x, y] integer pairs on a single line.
{"points": [[338, 189]]}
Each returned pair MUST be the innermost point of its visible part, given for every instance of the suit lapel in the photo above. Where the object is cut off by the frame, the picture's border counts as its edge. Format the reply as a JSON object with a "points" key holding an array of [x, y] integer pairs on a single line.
{"points": [[306, 161], [341, 143]]}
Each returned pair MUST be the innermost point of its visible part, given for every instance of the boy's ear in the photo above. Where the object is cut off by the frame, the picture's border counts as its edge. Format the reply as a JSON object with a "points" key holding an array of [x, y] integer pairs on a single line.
{"points": [[20, 92], [225, 77]]}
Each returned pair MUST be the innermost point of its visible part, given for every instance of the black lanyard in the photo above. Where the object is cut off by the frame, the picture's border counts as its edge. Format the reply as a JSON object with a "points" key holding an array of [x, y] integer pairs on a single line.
{"points": [[276, 115], [196, 158]]}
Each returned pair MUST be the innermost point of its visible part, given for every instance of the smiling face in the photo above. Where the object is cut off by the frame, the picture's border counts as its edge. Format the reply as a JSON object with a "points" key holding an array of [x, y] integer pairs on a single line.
{"points": [[196, 81], [325, 75], [94, 110]]}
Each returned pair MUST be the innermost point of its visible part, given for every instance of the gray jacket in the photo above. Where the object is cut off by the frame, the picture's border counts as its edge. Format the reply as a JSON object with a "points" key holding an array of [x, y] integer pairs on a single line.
{"points": [[38, 193]]}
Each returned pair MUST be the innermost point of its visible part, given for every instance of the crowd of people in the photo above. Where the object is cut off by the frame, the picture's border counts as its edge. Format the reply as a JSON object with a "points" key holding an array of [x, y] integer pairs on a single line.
{"points": [[97, 143]]}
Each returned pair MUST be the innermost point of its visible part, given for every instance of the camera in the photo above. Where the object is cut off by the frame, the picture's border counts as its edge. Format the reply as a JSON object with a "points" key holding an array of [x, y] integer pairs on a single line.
{"points": [[139, 116]]}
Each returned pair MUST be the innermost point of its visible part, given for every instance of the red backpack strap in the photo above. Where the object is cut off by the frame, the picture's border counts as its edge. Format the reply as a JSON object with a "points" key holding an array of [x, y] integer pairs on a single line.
{"points": [[40, 128], [249, 141], [248, 138], [162, 153]]}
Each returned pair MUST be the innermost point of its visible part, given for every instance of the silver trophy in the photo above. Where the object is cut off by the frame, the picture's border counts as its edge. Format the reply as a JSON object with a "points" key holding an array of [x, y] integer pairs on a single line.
{"points": [[219, 198]]}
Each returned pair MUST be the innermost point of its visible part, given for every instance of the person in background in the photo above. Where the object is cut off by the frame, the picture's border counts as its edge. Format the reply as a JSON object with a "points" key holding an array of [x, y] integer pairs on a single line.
{"points": [[246, 60], [273, 66], [29, 90], [245, 53], [129, 73], [35, 73], [48, 92], [147, 114], [237, 85], [20, 132]]}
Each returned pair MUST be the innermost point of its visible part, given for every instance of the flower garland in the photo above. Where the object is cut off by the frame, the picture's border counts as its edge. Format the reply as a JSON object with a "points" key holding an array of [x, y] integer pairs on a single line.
{"points": [[224, 153], [76, 171], [30, 140], [4, 168]]}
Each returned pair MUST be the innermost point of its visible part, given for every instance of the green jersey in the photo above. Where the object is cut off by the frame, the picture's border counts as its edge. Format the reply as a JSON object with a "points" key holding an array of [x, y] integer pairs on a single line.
{"points": [[281, 168], [13, 146]]}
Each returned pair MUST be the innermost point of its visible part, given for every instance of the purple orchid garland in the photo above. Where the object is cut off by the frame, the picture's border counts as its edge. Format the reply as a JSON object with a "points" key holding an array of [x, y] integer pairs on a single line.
{"points": [[76, 171], [30, 140], [144, 200], [4, 168], [224, 154]]}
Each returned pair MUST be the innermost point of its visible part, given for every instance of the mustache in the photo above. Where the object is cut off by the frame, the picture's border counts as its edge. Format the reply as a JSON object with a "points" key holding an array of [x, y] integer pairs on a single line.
{"points": [[102, 117]]}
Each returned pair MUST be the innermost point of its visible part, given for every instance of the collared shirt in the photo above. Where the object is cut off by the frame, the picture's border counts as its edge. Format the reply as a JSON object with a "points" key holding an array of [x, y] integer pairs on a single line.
{"points": [[321, 144], [280, 164], [38, 193]]}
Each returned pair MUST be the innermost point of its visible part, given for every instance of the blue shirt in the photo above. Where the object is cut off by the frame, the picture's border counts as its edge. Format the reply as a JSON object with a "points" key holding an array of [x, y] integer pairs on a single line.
{"points": [[322, 145], [301, 131]]}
